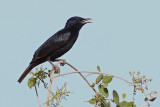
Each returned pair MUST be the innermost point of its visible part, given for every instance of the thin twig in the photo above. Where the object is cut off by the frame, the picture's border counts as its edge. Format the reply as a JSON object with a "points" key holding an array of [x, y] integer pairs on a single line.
{"points": [[88, 75], [37, 96], [49, 91], [93, 72]]}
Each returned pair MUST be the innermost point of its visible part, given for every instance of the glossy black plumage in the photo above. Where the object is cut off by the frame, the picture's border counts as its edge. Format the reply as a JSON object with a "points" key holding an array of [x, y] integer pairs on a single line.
{"points": [[57, 45]]}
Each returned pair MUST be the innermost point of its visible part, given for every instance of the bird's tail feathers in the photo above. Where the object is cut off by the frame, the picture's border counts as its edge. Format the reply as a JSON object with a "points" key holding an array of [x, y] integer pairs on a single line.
{"points": [[28, 69]]}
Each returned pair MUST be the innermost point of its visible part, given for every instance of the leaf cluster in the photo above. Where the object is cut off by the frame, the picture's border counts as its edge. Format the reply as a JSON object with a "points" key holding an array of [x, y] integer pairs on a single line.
{"points": [[141, 84], [100, 99], [39, 76], [58, 96]]}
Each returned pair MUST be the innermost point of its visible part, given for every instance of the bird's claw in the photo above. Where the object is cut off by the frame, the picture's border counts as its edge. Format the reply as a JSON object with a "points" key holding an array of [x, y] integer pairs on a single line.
{"points": [[61, 61]]}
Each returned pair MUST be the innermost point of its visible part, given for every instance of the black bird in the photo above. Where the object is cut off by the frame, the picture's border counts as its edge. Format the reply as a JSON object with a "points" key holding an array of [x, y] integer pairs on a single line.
{"points": [[58, 44]]}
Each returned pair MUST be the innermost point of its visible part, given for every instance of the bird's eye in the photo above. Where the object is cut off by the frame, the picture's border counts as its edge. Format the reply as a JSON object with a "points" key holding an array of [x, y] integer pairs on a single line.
{"points": [[78, 20]]}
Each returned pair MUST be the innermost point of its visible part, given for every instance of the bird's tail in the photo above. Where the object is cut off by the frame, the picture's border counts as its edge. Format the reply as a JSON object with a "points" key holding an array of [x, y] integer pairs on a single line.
{"points": [[28, 69]]}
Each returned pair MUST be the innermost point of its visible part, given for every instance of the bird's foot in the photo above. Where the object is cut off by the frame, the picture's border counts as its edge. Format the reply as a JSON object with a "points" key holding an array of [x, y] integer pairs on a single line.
{"points": [[62, 61], [55, 67]]}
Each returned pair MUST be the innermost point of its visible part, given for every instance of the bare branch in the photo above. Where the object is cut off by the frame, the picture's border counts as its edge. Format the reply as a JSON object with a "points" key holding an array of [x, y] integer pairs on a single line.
{"points": [[93, 72], [37, 96], [49, 91]]}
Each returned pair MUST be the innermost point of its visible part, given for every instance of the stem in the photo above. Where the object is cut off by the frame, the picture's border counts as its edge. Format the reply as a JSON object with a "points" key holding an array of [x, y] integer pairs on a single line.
{"points": [[49, 91], [93, 72], [37, 96]]}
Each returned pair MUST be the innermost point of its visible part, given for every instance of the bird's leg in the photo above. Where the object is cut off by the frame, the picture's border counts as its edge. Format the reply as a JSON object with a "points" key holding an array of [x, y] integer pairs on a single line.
{"points": [[55, 67], [62, 61]]}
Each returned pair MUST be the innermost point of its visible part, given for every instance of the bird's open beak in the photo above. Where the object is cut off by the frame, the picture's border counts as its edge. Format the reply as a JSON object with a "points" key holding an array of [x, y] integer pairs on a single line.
{"points": [[87, 20]]}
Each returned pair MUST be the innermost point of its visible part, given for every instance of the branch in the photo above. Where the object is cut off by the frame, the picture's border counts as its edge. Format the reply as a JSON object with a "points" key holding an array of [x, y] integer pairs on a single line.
{"points": [[93, 72], [37, 96], [49, 90]]}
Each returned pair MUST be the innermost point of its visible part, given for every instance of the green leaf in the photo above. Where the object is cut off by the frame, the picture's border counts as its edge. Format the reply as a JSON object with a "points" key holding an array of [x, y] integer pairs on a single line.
{"points": [[123, 104], [127, 104], [101, 98], [105, 85], [98, 68], [130, 104], [103, 91], [107, 79], [112, 100], [99, 78], [134, 105], [32, 82], [107, 104], [102, 105], [93, 84], [115, 97], [146, 99], [124, 95], [38, 73], [92, 101], [32, 73]]}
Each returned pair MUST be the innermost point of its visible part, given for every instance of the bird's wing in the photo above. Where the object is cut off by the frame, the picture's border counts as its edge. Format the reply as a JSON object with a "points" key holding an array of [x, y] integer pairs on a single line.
{"points": [[54, 42]]}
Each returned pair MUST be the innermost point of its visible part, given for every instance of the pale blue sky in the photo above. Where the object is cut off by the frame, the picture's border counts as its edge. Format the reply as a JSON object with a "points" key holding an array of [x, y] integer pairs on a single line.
{"points": [[123, 37]]}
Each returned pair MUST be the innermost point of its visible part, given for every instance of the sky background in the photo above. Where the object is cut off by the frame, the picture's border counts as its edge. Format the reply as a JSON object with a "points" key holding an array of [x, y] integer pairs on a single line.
{"points": [[123, 37]]}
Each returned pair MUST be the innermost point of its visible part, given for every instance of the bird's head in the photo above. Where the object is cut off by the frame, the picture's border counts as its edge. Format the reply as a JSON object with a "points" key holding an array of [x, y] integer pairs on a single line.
{"points": [[77, 22]]}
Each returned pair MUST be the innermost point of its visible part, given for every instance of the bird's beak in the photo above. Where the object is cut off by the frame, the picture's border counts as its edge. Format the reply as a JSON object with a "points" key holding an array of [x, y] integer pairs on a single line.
{"points": [[87, 20]]}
